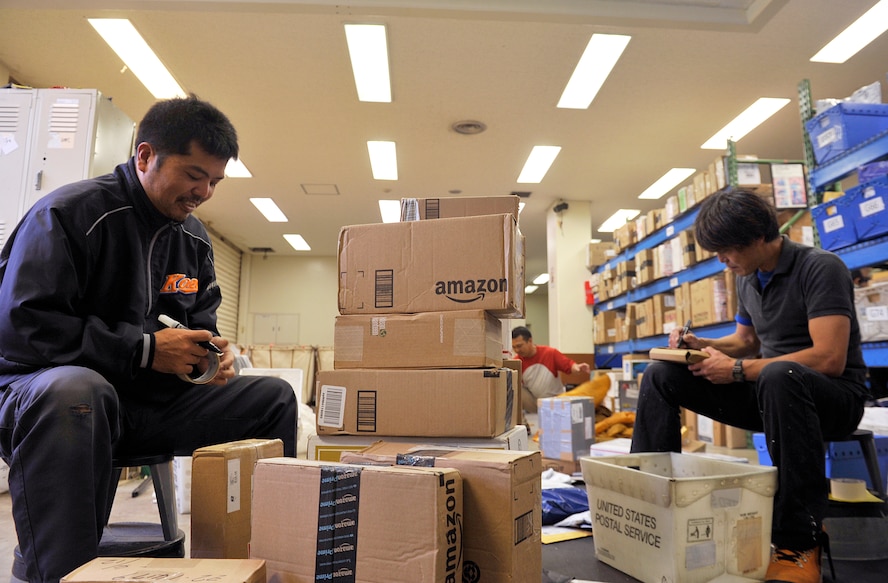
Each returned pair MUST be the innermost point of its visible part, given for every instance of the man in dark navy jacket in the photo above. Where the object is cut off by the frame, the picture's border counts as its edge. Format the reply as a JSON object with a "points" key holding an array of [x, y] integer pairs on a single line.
{"points": [[86, 368]]}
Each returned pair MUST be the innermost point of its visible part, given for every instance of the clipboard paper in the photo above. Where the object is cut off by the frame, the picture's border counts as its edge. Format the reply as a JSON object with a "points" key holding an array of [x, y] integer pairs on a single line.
{"points": [[680, 355]]}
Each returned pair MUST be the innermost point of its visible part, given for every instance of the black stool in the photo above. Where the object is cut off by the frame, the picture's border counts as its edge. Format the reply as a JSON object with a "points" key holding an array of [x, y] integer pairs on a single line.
{"points": [[145, 539], [859, 530], [136, 539]]}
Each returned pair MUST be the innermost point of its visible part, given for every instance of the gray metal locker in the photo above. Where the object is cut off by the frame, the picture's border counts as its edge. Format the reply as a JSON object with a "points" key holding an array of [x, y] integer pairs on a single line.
{"points": [[64, 135]]}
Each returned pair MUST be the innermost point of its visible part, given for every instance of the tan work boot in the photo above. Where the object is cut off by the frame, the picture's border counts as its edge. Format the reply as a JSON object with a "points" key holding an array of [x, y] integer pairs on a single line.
{"points": [[789, 566]]}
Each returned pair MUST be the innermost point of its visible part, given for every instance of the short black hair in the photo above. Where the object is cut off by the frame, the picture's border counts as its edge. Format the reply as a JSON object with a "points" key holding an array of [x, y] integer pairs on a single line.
{"points": [[171, 125], [733, 218], [522, 331]]}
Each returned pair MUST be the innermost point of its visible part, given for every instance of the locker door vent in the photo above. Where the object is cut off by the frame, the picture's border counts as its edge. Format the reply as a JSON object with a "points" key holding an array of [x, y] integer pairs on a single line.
{"points": [[9, 118], [63, 117]]}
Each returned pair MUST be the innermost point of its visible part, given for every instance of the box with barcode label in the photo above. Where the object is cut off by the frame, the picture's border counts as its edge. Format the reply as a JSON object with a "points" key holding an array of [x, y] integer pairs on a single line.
{"points": [[452, 264], [567, 426], [871, 304], [411, 403]]}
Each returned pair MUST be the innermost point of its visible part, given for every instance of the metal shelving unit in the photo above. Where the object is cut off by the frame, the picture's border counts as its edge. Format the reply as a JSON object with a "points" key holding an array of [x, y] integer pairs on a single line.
{"points": [[825, 175]]}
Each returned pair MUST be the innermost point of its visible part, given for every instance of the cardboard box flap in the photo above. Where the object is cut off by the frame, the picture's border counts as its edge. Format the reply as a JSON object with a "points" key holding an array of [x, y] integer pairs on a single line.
{"points": [[151, 570]]}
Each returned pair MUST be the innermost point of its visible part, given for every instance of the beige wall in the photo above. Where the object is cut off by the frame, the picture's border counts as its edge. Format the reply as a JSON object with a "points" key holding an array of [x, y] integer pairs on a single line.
{"points": [[308, 287], [290, 285]]}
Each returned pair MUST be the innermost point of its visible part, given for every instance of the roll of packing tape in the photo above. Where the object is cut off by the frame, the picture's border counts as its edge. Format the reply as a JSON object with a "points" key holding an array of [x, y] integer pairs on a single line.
{"points": [[208, 375], [850, 490]]}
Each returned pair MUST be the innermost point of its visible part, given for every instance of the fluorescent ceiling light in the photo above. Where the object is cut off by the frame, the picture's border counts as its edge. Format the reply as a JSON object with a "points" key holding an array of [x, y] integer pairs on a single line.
{"points": [[667, 182], [617, 220], [538, 163], [297, 242], [859, 33], [594, 66], [390, 211], [269, 210], [236, 169], [369, 59], [531, 288], [595, 240], [129, 45], [754, 116], [541, 279], [383, 160]]}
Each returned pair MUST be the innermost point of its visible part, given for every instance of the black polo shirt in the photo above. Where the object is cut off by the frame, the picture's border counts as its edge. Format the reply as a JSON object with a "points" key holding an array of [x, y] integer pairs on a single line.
{"points": [[807, 283]]}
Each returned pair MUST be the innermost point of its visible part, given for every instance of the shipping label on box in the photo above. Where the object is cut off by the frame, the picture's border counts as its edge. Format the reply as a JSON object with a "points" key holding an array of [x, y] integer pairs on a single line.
{"points": [[464, 339], [430, 266], [221, 496], [502, 504], [419, 209], [315, 521], [428, 403], [567, 426], [112, 569], [329, 448], [681, 517]]}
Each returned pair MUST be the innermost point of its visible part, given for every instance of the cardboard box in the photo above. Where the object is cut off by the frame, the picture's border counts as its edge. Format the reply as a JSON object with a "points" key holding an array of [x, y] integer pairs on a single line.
{"points": [[517, 412], [411, 403], [871, 304], [679, 517], [464, 339], [644, 266], [568, 467], [114, 569], [628, 395], [709, 302], [430, 266], [598, 254], [462, 206], [329, 448], [502, 505], [221, 496], [567, 426], [318, 521], [605, 327]]}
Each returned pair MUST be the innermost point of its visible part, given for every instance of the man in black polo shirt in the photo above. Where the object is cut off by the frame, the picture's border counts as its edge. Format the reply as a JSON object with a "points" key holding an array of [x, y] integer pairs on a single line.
{"points": [[792, 368]]}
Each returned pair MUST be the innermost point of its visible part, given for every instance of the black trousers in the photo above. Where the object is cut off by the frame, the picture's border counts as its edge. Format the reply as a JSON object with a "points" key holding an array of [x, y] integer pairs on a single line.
{"points": [[60, 427], [797, 408]]}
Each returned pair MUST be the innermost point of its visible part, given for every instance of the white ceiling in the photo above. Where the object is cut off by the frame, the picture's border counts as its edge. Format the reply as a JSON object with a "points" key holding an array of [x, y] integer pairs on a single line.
{"points": [[280, 70]]}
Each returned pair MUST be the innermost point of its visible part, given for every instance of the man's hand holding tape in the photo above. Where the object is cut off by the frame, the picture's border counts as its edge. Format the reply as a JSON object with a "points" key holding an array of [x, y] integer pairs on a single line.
{"points": [[177, 351]]}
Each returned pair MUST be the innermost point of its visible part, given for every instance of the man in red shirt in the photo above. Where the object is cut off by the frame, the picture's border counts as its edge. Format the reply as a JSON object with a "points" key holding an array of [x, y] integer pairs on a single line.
{"points": [[540, 366]]}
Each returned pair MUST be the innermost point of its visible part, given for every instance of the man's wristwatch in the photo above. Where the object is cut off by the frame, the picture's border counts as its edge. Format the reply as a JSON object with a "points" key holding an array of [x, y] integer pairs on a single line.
{"points": [[737, 371]]}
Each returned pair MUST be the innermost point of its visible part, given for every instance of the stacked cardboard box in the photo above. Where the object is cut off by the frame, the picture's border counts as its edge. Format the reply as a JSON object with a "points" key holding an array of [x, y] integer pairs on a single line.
{"points": [[418, 345]]}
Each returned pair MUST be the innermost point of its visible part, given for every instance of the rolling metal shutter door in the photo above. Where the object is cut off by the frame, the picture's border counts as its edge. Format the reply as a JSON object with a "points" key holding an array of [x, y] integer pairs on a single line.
{"points": [[228, 266]]}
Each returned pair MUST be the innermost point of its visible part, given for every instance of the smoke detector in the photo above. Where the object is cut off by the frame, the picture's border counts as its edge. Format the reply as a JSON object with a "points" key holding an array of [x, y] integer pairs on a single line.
{"points": [[469, 127]]}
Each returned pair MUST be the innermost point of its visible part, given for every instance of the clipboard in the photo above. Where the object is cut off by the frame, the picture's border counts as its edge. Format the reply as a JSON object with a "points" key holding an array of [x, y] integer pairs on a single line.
{"points": [[680, 355]]}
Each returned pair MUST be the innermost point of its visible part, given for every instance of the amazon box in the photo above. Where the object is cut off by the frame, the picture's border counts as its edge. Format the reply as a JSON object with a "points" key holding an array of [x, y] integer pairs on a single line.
{"points": [[502, 503], [424, 403], [413, 209], [221, 496], [432, 266], [331, 447], [464, 339], [112, 569], [316, 521]]}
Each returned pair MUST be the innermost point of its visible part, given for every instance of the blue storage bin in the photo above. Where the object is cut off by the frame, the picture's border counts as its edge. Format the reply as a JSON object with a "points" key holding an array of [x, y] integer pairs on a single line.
{"points": [[870, 211], [835, 223], [844, 126], [843, 458]]}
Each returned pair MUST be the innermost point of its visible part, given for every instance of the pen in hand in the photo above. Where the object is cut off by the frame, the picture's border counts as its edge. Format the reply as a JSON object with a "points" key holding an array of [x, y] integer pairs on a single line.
{"points": [[170, 323], [685, 330]]}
